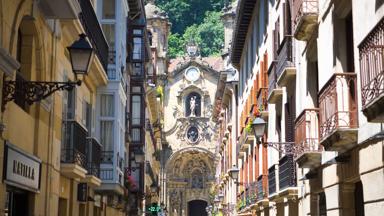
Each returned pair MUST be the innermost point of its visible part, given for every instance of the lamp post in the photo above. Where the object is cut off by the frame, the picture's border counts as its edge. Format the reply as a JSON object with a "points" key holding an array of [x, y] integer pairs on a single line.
{"points": [[81, 53]]}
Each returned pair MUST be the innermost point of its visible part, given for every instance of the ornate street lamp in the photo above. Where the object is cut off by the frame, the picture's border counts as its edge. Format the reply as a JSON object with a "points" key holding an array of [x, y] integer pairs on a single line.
{"points": [[80, 53], [258, 127], [234, 172], [153, 188], [139, 156]]}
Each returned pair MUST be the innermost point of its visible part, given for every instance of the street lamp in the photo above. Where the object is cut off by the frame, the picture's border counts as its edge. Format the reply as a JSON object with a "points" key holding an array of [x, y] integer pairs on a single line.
{"points": [[234, 172], [80, 53], [139, 156], [153, 187], [258, 127]]}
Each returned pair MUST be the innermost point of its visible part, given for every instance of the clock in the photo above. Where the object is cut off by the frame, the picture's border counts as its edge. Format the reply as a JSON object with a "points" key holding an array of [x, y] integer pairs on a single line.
{"points": [[192, 74]]}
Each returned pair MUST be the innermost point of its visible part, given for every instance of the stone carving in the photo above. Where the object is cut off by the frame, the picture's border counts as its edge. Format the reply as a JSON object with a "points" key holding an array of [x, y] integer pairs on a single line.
{"points": [[193, 134], [192, 106], [208, 111]]}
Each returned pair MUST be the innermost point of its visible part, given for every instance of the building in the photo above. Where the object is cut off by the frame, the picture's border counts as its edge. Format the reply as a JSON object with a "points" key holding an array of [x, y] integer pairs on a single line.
{"points": [[310, 70], [189, 95], [112, 102], [50, 157]]}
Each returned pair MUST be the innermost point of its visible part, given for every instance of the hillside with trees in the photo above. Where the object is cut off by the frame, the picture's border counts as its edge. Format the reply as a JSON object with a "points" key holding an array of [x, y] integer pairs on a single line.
{"points": [[194, 19]]}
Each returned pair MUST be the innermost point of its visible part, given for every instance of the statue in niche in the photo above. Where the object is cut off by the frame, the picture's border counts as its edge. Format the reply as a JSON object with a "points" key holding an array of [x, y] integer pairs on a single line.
{"points": [[177, 166], [192, 106]]}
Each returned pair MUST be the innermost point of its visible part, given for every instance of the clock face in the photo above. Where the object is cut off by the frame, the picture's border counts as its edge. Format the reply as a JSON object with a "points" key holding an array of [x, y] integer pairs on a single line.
{"points": [[192, 74]]}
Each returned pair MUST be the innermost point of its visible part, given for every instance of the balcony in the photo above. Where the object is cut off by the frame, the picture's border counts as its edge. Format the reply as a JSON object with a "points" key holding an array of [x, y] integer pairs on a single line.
{"points": [[94, 32], [372, 74], [73, 150], [285, 68], [93, 162], [338, 112], [107, 157], [275, 92], [287, 176], [262, 102], [262, 192], [246, 139], [272, 180], [55, 9], [307, 149], [305, 15]]}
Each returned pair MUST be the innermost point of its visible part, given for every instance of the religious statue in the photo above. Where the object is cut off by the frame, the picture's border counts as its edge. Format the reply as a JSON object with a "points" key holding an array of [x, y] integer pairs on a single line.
{"points": [[192, 106]]}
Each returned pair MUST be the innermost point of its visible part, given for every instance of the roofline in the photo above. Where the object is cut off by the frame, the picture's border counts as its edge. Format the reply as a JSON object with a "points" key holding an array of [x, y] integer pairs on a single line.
{"points": [[244, 13]]}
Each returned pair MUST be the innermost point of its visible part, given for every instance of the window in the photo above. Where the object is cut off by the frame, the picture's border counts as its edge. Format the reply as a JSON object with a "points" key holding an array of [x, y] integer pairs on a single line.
{"points": [[71, 103], [108, 9], [106, 107], [137, 69], [109, 32], [88, 118], [136, 110], [193, 105], [106, 135], [137, 42]]}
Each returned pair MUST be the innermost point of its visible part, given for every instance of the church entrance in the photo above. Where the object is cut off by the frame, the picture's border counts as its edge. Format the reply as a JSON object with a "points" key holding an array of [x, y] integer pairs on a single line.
{"points": [[197, 208]]}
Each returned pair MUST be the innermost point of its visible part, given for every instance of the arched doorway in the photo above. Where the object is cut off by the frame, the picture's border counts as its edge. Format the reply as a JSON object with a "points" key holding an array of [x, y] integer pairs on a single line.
{"points": [[197, 208]]}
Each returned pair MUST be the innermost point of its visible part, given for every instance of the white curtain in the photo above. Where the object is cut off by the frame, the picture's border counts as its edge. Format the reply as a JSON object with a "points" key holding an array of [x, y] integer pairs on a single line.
{"points": [[106, 135], [106, 106]]}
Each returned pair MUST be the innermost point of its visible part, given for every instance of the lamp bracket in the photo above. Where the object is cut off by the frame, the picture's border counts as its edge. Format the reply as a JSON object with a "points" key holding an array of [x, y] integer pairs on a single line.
{"points": [[32, 91], [284, 147]]}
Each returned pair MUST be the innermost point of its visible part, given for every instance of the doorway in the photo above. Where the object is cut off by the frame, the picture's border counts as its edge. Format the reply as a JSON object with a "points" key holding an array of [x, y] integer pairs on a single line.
{"points": [[197, 208], [16, 203]]}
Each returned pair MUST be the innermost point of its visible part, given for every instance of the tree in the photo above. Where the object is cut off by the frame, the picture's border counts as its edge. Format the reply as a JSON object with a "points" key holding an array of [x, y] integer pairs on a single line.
{"points": [[194, 19]]}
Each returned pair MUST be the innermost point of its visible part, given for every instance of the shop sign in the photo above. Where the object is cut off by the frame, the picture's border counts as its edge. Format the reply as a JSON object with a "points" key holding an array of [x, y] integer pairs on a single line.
{"points": [[22, 169]]}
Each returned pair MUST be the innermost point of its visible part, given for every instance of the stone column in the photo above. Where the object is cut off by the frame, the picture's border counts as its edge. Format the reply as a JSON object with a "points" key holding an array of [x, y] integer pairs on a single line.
{"points": [[340, 199]]}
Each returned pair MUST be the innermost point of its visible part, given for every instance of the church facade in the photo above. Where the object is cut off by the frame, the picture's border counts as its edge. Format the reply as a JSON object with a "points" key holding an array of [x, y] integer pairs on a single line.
{"points": [[189, 94]]}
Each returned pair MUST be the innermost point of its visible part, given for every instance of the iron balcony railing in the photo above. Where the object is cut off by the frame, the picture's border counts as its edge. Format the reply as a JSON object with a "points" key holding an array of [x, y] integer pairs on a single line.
{"points": [[337, 103], [106, 174], [371, 52], [261, 187], [262, 99], [284, 55], [93, 156], [74, 146], [94, 32], [307, 132], [303, 8], [287, 172], [272, 180]]}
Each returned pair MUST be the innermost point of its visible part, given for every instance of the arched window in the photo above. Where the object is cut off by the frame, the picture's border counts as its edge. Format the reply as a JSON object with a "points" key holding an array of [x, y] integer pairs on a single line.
{"points": [[193, 105]]}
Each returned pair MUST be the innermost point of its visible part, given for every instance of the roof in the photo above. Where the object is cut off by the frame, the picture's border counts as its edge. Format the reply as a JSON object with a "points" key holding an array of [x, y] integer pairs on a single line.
{"points": [[214, 62], [244, 13]]}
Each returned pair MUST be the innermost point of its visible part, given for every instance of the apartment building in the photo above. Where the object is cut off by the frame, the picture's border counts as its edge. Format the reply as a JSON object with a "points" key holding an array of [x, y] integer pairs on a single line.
{"points": [[318, 65], [50, 158], [112, 102]]}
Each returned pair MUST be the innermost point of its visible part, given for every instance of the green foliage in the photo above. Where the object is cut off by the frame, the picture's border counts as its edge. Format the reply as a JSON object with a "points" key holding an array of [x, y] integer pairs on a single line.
{"points": [[184, 13], [194, 19]]}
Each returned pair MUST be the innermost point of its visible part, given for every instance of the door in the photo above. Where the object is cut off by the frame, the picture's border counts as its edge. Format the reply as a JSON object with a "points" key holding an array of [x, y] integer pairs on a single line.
{"points": [[197, 208]]}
